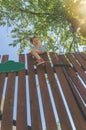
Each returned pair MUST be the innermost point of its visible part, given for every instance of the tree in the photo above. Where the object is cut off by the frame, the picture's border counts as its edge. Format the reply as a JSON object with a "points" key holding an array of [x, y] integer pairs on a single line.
{"points": [[54, 22]]}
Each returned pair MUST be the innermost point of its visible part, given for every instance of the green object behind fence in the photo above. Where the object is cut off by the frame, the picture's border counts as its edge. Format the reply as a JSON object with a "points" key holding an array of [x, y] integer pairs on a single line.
{"points": [[11, 66]]}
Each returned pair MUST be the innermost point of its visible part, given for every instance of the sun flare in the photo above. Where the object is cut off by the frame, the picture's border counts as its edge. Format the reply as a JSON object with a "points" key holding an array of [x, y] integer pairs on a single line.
{"points": [[81, 10], [77, 13]]}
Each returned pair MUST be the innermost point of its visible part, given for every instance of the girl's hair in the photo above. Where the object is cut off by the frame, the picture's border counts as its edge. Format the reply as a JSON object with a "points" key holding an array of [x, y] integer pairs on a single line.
{"points": [[31, 39]]}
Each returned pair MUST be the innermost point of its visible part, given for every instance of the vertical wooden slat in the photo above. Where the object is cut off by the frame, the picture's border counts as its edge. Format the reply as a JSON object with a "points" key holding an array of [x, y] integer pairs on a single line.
{"points": [[2, 80], [83, 55], [35, 112], [73, 75], [64, 119], [4, 58], [80, 60], [74, 109], [7, 117], [81, 94], [48, 112], [21, 123], [77, 67], [75, 79], [76, 114]]}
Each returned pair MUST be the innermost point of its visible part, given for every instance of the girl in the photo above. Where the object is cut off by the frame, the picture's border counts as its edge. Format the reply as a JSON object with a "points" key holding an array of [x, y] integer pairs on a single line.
{"points": [[38, 49]]}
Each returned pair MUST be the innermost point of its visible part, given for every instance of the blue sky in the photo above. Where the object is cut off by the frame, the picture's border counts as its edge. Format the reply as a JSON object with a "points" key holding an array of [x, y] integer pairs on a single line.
{"points": [[5, 40]]}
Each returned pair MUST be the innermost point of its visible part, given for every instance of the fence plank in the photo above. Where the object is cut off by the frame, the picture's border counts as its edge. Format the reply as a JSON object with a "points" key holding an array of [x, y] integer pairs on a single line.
{"points": [[2, 80], [4, 58], [80, 60], [21, 123], [34, 104], [83, 55], [79, 93], [64, 119], [48, 112], [75, 111], [7, 117], [76, 114], [77, 67], [78, 84]]}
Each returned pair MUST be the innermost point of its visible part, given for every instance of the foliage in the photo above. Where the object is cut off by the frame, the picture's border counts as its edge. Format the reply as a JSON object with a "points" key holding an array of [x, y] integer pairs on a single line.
{"points": [[52, 21]]}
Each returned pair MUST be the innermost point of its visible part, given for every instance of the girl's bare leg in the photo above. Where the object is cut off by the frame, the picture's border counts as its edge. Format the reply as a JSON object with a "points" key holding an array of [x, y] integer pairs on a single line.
{"points": [[36, 53]]}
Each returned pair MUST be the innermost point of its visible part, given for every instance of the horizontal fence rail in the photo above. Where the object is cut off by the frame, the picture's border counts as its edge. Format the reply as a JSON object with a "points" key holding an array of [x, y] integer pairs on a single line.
{"points": [[51, 96]]}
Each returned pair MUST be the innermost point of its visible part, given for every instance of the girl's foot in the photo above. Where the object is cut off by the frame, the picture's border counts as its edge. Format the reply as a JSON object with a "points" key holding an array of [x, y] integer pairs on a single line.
{"points": [[40, 61]]}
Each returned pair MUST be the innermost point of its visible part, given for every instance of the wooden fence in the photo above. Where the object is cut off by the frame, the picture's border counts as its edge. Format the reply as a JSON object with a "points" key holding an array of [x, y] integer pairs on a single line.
{"points": [[47, 97]]}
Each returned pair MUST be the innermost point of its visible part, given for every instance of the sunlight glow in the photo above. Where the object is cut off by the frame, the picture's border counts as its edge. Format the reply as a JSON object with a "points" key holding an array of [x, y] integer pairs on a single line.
{"points": [[81, 10], [77, 12]]}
